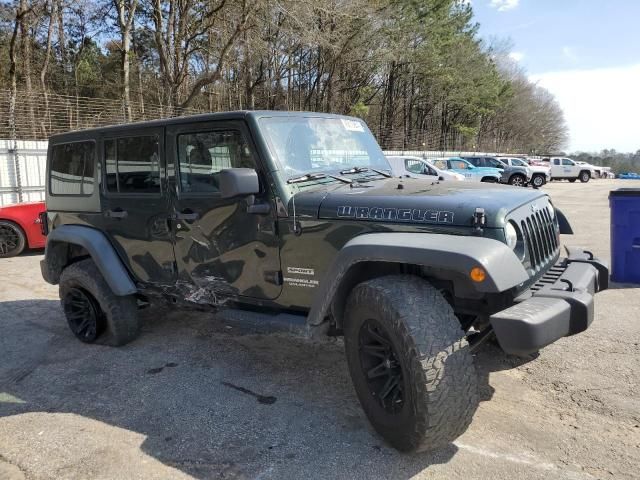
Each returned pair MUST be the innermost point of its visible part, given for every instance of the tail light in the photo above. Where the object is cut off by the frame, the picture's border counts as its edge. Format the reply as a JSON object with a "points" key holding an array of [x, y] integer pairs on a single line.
{"points": [[44, 223]]}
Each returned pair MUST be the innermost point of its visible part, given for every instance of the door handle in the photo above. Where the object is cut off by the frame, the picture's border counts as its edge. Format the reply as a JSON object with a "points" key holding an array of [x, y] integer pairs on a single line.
{"points": [[117, 213], [187, 216]]}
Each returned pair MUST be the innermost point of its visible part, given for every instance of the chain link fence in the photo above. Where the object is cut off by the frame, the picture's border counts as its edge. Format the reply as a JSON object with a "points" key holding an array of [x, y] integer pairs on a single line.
{"points": [[25, 129]]}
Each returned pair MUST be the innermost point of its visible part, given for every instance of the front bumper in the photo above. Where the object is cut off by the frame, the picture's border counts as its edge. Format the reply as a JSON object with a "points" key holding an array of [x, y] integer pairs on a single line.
{"points": [[558, 305]]}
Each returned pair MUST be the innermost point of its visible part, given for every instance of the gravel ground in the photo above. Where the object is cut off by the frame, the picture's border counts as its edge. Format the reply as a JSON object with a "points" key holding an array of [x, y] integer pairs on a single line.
{"points": [[192, 398]]}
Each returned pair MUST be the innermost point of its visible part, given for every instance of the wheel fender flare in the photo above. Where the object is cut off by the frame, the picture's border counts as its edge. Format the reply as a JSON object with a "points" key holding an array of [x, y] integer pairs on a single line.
{"points": [[563, 223], [100, 250], [455, 253]]}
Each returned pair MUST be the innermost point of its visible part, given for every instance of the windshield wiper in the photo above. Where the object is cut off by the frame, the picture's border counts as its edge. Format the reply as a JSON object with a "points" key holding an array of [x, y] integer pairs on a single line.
{"points": [[306, 177], [317, 176], [365, 169], [354, 170], [382, 172]]}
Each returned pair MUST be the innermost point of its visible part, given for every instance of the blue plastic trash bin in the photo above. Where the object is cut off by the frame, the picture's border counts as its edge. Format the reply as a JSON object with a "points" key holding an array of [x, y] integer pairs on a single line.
{"points": [[625, 235]]}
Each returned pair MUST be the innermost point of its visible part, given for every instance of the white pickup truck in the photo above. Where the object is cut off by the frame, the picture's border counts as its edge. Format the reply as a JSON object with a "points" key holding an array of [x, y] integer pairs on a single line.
{"points": [[563, 168], [539, 174]]}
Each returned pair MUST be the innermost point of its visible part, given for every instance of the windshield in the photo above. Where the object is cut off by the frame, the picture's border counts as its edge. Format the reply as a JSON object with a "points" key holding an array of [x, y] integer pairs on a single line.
{"points": [[305, 145]]}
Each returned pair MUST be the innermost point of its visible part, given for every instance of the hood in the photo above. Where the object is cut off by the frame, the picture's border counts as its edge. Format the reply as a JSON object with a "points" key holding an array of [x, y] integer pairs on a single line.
{"points": [[415, 201]]}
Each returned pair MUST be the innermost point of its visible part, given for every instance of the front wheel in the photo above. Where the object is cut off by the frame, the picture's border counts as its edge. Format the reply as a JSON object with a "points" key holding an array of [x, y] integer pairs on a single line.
{"points": [[584, 177], [538, 181], [517, 180], [410, 362]]}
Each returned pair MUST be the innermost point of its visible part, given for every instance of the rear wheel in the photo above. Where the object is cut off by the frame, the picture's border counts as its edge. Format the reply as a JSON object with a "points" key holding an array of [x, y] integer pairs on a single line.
{"points": [[517, 180], [93, 311], [12, 239], [585, 176], [409, 362], [538, 181]]}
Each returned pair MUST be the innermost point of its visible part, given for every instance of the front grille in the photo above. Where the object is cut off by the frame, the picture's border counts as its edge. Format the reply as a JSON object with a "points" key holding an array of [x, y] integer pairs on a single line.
{"points": [[540, 237]]}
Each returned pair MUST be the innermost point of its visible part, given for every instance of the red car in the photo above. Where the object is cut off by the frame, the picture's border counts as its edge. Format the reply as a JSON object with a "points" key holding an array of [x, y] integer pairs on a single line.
{"points": [[20, 228]]}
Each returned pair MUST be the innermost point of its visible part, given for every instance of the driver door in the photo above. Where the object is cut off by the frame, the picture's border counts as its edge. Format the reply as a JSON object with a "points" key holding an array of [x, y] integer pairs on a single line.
{"points": [[222, 250]]}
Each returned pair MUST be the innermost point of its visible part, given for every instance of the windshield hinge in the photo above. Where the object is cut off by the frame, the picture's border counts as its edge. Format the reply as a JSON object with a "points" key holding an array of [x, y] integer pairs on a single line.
{"points": [[479, 219]]}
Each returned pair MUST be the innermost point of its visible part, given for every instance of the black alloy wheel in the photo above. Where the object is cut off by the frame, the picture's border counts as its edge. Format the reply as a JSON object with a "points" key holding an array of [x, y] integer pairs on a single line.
{"points": [[380, 366], [83, 313], [12, 241]]}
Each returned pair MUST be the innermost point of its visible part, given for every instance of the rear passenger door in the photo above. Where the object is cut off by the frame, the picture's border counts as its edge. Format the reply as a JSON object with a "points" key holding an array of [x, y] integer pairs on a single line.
{"points": [[135, 202], [222, 249]]}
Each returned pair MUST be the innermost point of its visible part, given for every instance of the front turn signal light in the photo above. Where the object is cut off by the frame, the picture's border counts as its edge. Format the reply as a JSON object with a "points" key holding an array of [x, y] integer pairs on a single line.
{"points": [[478, 274]]}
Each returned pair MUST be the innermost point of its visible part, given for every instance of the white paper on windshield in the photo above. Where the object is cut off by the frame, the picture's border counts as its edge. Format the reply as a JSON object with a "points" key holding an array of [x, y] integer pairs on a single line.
{"points": [[352, 125]]}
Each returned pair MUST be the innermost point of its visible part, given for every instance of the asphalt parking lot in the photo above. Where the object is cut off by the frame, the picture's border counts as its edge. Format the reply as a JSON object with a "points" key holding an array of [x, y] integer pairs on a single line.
{"points": [[192, 398]]}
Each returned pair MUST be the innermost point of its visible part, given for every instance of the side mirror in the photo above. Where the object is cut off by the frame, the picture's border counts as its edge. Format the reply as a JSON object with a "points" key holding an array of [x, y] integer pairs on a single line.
{"points": [[238, 182], [440, 178]]}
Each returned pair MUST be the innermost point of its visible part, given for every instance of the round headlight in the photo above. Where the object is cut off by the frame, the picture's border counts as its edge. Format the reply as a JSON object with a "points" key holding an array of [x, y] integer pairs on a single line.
{"points": [[511, 235]]}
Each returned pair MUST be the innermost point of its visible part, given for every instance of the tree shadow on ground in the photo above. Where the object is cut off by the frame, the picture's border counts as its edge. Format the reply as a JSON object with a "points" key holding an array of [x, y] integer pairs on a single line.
{"points": [[210, 400]]}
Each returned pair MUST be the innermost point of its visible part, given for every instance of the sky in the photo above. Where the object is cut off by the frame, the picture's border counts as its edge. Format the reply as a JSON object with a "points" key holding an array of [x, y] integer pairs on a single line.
{"points": [[586, 52]]}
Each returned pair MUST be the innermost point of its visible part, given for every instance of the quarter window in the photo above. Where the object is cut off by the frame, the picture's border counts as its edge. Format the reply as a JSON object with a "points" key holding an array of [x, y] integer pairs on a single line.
{"points": [[72, 167], [202, 155], [132, 164]]}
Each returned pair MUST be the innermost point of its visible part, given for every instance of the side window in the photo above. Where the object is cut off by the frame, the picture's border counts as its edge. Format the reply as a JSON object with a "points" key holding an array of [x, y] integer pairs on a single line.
{"points": [[72, 167], [556, 161], [441, 164], [566, 161], [415, 166], [202, 155], [132, 164], [457, 164]]}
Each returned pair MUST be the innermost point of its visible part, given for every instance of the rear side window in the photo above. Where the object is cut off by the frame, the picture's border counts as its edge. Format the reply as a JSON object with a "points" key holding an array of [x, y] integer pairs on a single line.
{"points": [[132, 164], [72, 168], [202, 155]]}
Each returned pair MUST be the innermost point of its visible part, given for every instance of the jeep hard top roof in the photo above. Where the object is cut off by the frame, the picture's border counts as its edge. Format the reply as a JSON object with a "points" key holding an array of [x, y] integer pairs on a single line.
{"points": [[234, 115]]}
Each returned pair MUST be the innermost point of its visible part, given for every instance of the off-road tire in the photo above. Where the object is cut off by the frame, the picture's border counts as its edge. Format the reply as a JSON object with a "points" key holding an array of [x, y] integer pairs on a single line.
{"points": [[438, 374], [19, 239], [517, 180], [585, 176], [119, 315], [538, 180]]}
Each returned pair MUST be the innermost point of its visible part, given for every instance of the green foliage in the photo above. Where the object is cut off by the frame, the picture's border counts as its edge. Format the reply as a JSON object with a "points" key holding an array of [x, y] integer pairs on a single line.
{"points": [[415, 70]]}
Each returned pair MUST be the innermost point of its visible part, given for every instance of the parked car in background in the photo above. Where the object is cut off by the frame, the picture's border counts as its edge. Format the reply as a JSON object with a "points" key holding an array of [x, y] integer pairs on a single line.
{"points": [[470, 171], [563, 168], [416, 167], [539, 174], [516, 176], [596, 172], [20, 228]]}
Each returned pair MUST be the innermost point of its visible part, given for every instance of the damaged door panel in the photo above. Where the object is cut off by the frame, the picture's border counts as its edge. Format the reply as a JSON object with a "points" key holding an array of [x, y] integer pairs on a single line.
{"points": [[222, 249]]}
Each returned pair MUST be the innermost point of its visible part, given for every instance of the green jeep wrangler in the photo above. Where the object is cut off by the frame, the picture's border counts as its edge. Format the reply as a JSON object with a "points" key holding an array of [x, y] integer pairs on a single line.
{"points": [[293, 219]]}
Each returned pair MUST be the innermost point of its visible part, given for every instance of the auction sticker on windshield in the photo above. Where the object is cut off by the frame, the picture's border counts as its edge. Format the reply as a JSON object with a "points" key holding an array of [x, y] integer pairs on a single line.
{"points": [[352, 125]]}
